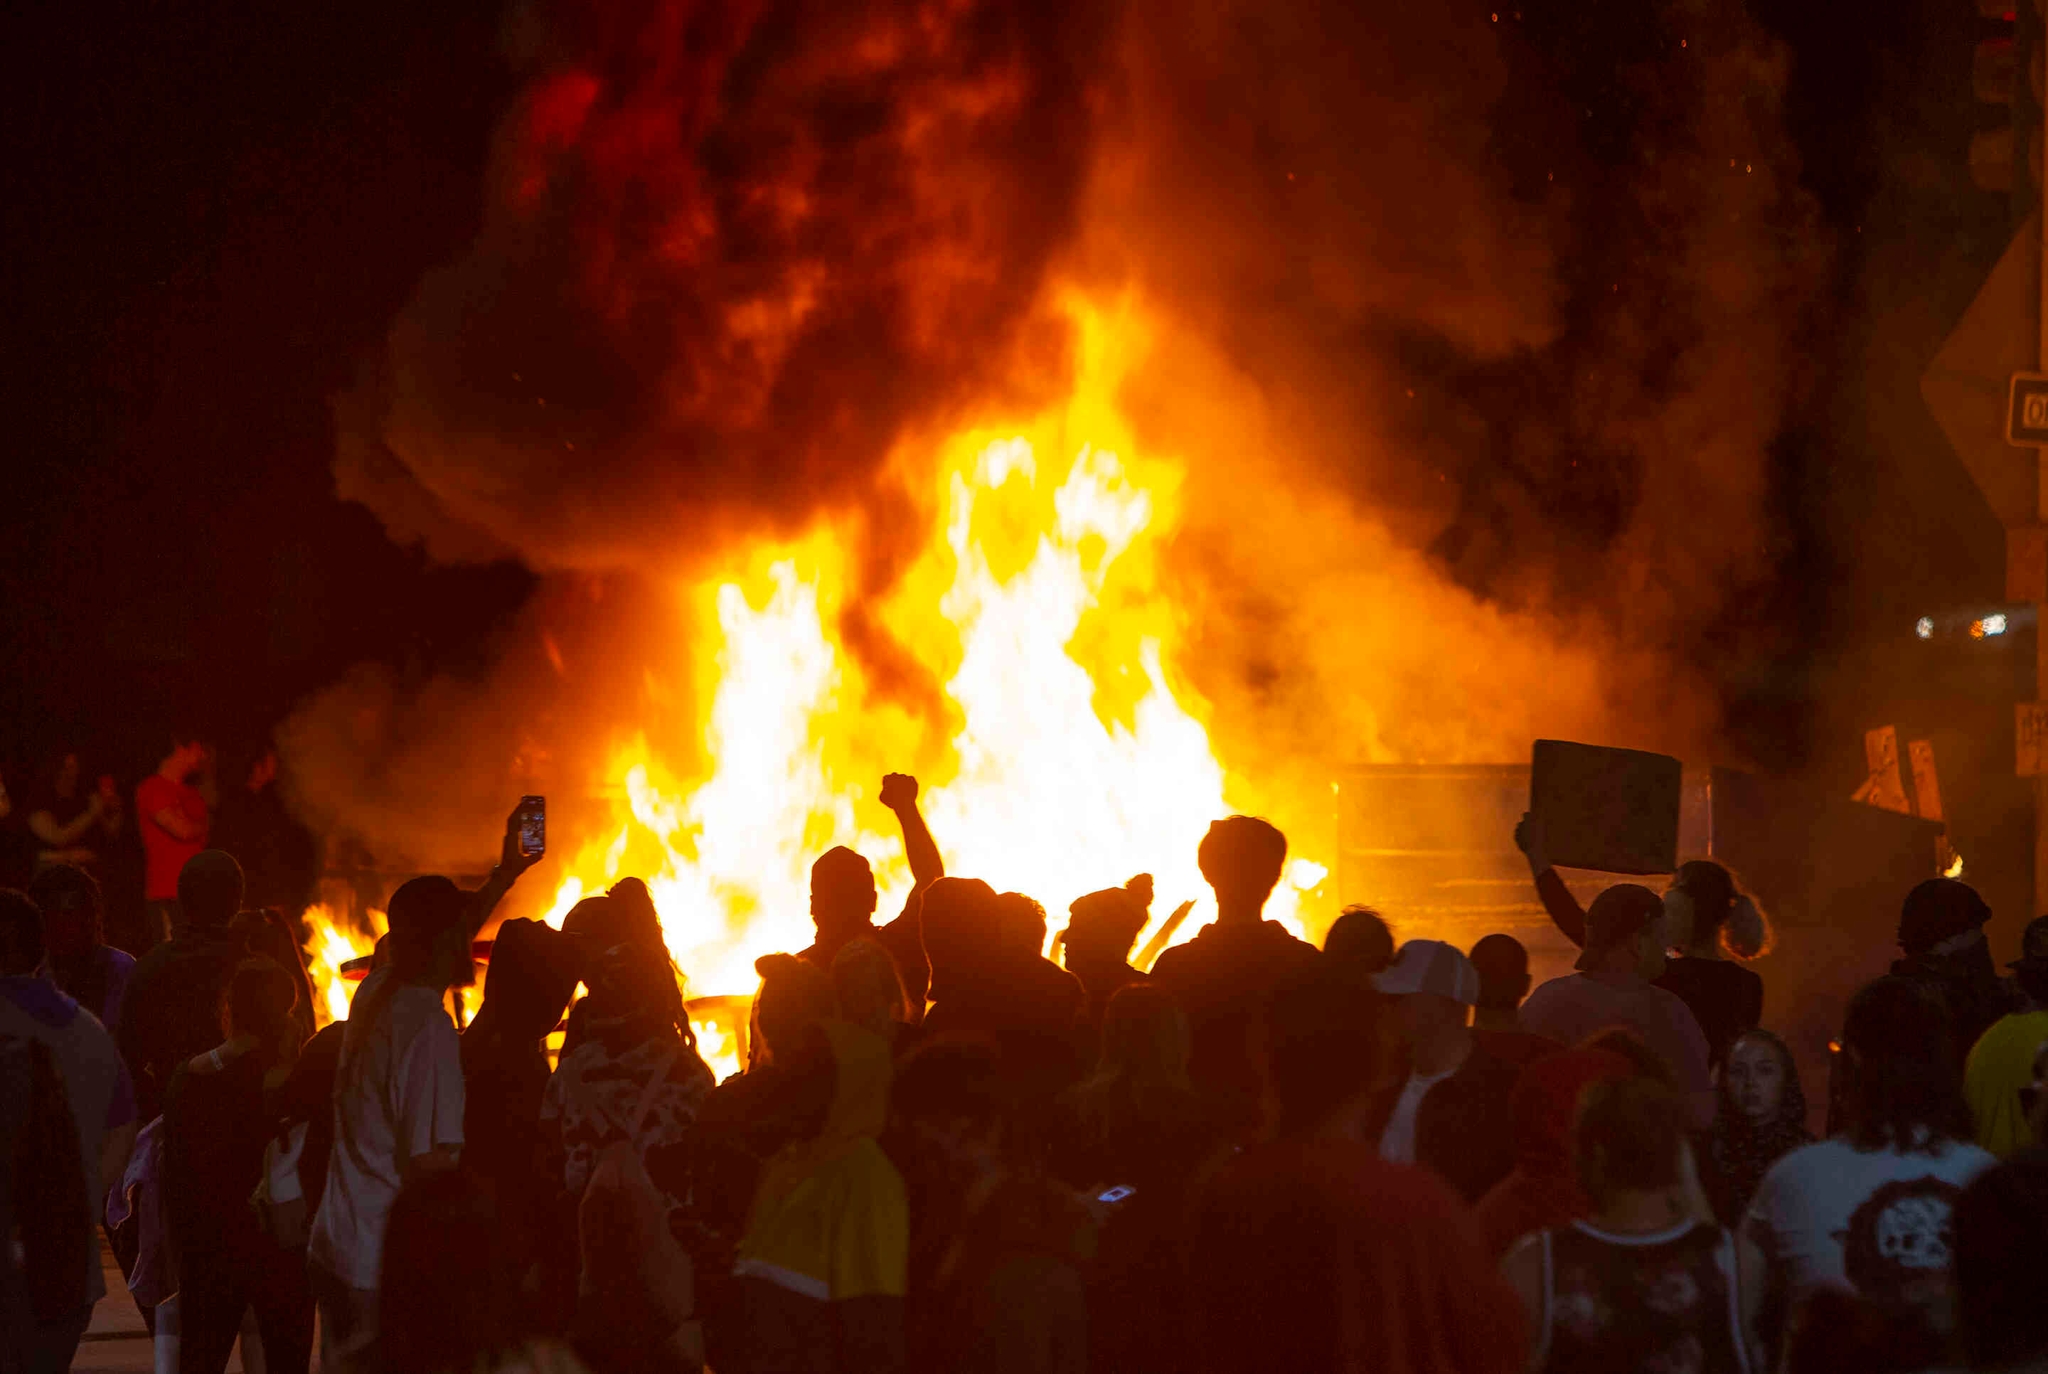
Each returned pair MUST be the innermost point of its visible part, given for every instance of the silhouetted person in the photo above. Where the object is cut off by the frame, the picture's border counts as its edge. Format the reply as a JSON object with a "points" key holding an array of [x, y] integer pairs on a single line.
{"points": [[869, 991], [2001, 1277], [843, 895], [1543, 1189], [174, 820], [398, 1106], [1624, 951], [172, 1008], [272, 934], [1761, 1118], [986, 983], [1359, 941], [1450, 1112], [448, 1303], [1503, 968], [71, 822], [279, 857], [1101, 929], [997, 1251], [2001, 1063], [822, 1270], [102, 1111], [1223, 975], [1706, 915], [44, 1211], [505, 1074], [1871, 1207], [1941, 936], [1640, 1283], [221, 1109], [1312, 1252], [74, 932]]}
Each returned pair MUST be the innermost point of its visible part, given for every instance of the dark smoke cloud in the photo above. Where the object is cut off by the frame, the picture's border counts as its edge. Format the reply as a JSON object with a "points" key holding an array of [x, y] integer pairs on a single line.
{"points": [[1476, 336], [731, 250]]}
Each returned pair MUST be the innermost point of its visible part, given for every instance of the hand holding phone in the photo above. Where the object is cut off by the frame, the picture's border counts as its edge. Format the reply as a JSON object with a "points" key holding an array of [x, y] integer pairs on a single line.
{"points": [[533, 827]]}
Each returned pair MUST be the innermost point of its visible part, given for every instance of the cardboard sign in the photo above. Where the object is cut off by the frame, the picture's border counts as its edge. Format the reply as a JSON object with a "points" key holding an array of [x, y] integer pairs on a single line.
{"points": [[1614, 810]]}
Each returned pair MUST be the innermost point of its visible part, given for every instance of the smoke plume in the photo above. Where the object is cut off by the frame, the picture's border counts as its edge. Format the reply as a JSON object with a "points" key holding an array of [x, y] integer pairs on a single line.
{"points": [[1473, 343]]}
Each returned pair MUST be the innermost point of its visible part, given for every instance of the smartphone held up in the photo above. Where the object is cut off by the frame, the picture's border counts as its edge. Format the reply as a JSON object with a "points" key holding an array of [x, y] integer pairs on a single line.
{"points": [[533, 826]]}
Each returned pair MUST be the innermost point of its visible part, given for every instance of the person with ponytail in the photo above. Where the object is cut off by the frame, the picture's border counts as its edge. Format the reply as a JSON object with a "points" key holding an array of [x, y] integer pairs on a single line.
{"points": [[632, 1073], [1707, 918]]}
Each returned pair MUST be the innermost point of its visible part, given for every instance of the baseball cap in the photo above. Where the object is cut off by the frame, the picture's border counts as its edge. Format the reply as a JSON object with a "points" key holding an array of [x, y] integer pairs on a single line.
{"points": [[424, 907], [2033, 945], [1617, 915], [1430, 966]]}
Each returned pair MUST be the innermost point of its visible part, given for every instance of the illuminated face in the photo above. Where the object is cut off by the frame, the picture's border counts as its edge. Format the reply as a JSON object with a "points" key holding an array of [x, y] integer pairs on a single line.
{"points": [[1756, 1079]]}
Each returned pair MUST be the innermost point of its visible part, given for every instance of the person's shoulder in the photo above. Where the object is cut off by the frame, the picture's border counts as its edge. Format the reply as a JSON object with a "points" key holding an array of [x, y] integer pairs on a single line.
{"points": [[118, 959]]}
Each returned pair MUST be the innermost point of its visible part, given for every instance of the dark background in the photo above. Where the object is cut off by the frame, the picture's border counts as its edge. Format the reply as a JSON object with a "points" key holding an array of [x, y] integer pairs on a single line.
{"points": [[212, 217]]}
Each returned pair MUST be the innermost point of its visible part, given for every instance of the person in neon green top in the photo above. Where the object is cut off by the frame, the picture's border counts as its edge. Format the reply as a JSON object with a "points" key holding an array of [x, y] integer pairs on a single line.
{"points": [[2002, 1061], [824, 1263]]}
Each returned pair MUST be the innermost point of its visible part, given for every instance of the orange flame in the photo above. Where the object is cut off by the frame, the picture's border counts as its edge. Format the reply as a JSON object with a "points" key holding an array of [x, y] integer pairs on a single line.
{"points": [[1076, 756]]}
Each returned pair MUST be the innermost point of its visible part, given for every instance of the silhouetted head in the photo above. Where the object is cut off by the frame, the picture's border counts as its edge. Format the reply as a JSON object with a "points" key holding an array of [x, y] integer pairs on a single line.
{"points": [[1503, 968], [842, 892], [962, 936], [258, 1002], [1241, 858], [1102, 926], [1359, 942], [534, 970], [1432, 987], [74, 918], [183, 750], [1940, 911], [1903, 1085], [1630, 1138], [1323, 1048], [21, 934], [1625, 932], [794, 997], [2030, 970], [430, 932], [1020, 920], [210, 890], [2001, 1277]]}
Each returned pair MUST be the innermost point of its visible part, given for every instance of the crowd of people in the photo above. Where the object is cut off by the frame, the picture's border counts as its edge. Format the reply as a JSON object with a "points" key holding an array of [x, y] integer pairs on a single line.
{"points": [[947, 1151]]}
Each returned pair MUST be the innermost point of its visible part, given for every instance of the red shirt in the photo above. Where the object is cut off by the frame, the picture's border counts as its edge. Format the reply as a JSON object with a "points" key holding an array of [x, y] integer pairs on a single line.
{"points": [[166, 853]]}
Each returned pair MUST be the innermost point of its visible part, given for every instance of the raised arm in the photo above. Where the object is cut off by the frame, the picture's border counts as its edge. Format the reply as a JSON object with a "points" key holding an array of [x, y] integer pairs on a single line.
{"points": [[43, 824], [899, 794], [1557, 898], [512, 861]]}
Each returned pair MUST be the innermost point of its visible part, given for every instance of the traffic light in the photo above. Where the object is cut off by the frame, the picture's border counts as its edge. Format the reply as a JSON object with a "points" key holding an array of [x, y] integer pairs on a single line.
{"points": [[2006, 77]]}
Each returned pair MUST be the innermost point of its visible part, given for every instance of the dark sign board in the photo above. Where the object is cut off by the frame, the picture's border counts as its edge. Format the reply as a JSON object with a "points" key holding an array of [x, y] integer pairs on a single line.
{"points": [[1614, 810]]}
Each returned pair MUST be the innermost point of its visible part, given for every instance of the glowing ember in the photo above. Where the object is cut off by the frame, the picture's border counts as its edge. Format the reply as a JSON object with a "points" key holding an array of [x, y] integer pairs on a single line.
{"points": [[1076, 757]]}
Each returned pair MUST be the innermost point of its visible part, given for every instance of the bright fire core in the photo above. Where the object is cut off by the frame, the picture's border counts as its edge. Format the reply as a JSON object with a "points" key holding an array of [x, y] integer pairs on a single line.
{"points": [[1072, 759]]}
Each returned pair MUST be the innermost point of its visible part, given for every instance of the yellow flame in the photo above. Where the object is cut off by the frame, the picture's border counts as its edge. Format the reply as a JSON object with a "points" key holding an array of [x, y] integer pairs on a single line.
{"points": [[1075, 756], [1955, 868], [331, 943]]}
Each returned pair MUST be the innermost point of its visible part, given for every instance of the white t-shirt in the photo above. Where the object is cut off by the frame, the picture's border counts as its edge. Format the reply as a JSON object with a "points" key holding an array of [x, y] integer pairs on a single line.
{"points": [[1873, 1220], [397, 1094], [1397, 1141]]}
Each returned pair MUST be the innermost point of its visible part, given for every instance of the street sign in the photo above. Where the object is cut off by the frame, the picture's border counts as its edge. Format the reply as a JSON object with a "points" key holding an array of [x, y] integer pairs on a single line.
{"points": [[2026, 410], [1968, 386]]}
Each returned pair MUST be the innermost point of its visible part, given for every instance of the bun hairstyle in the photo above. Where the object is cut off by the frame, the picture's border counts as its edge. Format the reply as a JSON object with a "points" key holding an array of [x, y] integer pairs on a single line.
{"points": [[1704, 901]]}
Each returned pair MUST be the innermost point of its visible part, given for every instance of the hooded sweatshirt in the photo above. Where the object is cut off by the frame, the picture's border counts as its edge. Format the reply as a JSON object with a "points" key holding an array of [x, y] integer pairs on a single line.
{"points": [[1543, 1189]]}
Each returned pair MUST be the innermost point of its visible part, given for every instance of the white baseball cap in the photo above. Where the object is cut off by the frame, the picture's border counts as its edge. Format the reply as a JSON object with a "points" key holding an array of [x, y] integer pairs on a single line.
{"points": [[1430, 966]]}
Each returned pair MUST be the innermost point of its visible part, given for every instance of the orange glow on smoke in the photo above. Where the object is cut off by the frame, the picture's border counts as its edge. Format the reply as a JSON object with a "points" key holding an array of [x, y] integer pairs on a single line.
{"points": [[1077, 755]]}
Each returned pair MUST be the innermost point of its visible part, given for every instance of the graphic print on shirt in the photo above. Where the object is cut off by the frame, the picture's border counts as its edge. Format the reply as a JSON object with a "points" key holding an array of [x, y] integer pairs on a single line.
{"points": [[1899, 1240]]}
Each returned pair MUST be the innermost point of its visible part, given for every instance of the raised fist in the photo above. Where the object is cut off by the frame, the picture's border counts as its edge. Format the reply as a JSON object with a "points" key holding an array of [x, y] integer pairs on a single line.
{"points": [[898, 791]]}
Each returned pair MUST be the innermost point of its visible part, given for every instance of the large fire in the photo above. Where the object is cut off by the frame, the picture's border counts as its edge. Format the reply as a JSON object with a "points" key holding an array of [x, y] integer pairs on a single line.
{"points": [[1078, 757]]}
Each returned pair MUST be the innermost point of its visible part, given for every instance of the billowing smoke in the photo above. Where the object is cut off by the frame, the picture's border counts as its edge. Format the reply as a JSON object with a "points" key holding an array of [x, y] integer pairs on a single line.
{"points": [[1474, 346]]}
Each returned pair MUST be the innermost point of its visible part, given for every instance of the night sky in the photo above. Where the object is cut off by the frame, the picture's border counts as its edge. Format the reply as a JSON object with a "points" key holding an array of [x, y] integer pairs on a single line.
{"points": [[213, 214]]}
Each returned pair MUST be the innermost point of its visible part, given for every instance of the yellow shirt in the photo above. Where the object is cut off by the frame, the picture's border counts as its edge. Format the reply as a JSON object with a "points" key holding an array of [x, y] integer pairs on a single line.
{"points": [[2002, 1063]]}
